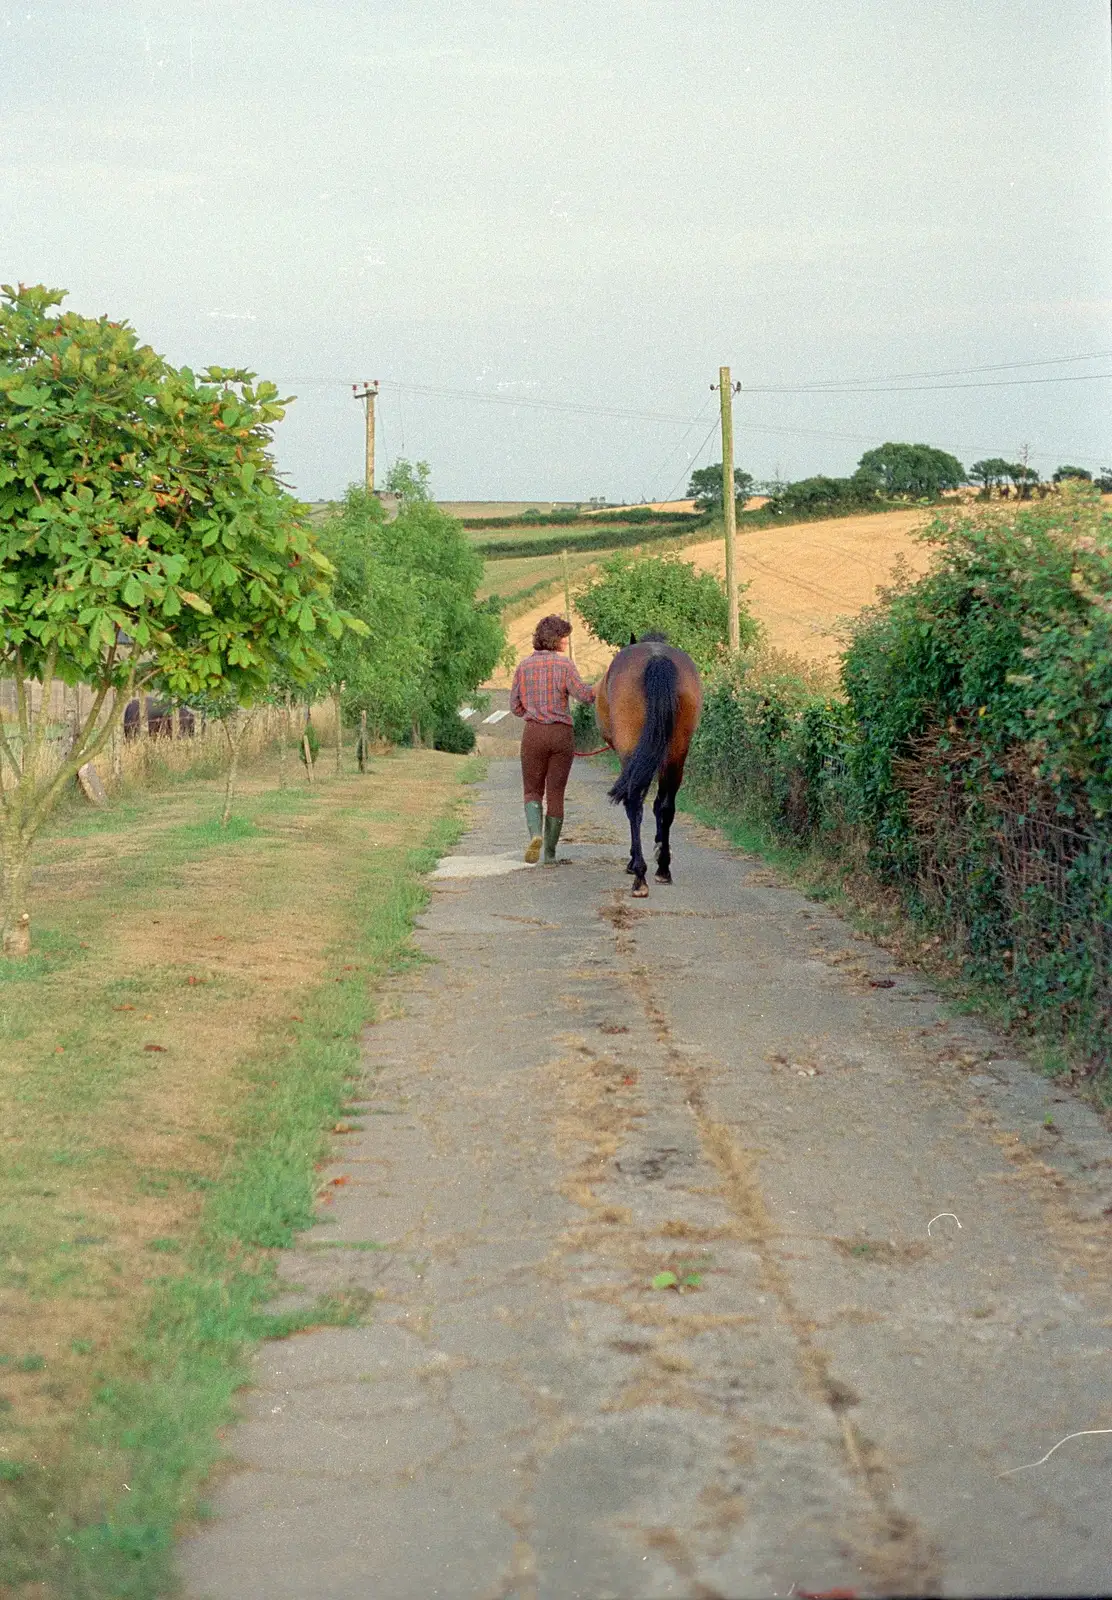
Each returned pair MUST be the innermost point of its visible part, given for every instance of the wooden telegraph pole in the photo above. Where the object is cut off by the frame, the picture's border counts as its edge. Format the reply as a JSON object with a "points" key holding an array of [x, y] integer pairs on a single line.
{"points": [[567, 599], [368, 393], [726, 392]]}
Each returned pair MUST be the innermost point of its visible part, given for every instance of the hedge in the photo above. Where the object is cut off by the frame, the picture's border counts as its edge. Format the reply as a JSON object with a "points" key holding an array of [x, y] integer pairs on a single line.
{"points": [[967, 753]]}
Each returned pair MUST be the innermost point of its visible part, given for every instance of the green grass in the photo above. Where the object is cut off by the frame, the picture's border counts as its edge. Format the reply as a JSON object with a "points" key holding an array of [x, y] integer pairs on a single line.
{"points": [[155, 1393]]}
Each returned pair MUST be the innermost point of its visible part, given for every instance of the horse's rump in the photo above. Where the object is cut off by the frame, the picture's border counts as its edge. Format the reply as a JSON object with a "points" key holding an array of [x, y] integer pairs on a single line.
{"points": [[660, 691]]}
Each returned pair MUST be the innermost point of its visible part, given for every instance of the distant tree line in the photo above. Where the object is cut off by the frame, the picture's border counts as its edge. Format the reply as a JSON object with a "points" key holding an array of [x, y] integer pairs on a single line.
{"points": [[892, 473]]}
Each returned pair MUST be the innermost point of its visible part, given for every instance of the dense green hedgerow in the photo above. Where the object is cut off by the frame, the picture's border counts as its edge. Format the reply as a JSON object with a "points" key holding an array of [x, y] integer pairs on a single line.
{"points": [[971, 754]]}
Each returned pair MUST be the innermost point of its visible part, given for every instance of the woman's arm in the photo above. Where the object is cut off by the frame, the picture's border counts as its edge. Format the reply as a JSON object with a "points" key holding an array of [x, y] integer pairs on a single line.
{"points": [[575, 685], [517, 704]]}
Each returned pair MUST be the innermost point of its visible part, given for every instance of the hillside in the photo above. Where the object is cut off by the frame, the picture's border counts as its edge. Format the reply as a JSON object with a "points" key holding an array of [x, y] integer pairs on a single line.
{"points": [[802, 579]]}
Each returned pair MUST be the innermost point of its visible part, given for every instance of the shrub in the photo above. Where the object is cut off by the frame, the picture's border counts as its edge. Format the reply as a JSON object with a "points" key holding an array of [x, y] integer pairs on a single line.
{"points": [[772, 744], [454, 735], [822, 496], [662, 594], [587, 735]]}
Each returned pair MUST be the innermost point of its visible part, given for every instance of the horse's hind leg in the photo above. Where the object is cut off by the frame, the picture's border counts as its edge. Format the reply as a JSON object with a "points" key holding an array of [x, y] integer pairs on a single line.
{"points": [[664, 808], [637, 866]]}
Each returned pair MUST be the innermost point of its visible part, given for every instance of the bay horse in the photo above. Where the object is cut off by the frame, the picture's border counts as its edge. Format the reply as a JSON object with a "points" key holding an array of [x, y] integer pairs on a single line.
{"points": [[648, 707]]}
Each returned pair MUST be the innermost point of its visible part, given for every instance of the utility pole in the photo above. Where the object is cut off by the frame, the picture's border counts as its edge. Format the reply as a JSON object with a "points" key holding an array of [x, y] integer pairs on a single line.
{"points": [[368, 393], [726, 392]]}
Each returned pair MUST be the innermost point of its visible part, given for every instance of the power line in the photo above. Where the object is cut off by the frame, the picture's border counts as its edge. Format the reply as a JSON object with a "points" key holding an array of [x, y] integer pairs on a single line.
{"points": [[671, 495], [958, 372], [622, 413], [923, 388], [686, 435], [875, 438], [538, 405]]}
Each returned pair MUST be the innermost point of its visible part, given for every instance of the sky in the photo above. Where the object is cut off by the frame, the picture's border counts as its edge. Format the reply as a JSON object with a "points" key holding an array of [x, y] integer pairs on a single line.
{"points": [[543, 225]]}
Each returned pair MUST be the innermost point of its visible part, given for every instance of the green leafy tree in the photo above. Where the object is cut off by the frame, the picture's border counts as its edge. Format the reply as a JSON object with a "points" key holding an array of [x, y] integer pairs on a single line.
{"points": [[705, 488], [428, 642], [464, 637], [918, 471], [1023, 477], [661, 594], [988, 473], [821, 496], [384, 670], [1073, 472], [408, 481], [143, 535]]}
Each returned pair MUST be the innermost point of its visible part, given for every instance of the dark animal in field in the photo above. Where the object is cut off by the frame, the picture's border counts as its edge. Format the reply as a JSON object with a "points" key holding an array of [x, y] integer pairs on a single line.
{"points": [[160, 720], [648, 708]]}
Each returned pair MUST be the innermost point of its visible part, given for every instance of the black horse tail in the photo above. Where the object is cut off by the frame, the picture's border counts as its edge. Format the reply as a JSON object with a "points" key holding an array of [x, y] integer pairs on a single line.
{"points": [[661, 684]]}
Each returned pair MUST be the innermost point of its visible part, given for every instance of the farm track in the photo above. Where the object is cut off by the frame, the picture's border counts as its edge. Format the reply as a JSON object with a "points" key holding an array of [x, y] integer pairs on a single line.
{"points": [[898, 1273]]}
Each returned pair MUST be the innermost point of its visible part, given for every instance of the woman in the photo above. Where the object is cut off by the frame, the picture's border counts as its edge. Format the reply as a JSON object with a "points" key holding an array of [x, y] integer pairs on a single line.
{"points": [[541, 686]]}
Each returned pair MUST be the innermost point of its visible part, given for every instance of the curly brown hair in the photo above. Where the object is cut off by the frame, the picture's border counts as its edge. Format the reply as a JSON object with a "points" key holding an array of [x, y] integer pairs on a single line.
{"points": [[549, 631]]}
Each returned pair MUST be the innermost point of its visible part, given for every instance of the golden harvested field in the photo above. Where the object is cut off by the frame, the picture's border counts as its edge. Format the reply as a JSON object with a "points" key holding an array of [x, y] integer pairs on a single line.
{"points": [[802, 579]]}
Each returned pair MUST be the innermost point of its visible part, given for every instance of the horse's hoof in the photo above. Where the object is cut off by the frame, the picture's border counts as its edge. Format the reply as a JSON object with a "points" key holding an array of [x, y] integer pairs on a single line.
{"points": [[641, 890], [664, 877]]}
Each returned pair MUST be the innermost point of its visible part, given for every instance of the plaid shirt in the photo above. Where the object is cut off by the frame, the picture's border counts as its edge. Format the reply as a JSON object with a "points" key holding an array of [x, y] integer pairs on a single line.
{"points": [[541, 687]]}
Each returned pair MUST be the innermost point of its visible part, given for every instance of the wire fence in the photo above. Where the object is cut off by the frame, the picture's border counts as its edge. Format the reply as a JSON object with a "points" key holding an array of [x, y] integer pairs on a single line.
{"points": [[160, 742]]}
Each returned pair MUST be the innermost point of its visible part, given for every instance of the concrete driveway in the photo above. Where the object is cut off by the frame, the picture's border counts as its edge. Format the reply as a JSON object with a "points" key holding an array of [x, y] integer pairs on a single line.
{"points": [[710, 1258]]}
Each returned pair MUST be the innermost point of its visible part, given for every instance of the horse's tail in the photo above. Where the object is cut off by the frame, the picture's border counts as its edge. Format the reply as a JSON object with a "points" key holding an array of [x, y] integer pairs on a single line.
{"points": [[661, 686]]}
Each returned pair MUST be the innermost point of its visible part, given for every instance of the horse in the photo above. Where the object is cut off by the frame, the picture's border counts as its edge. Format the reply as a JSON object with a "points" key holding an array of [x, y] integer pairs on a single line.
{"points": [[160, 720], [648, 707]]}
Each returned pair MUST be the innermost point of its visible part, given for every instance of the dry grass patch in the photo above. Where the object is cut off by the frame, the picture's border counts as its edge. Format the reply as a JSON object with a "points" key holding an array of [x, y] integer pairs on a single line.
{"points": [[171, 958]]}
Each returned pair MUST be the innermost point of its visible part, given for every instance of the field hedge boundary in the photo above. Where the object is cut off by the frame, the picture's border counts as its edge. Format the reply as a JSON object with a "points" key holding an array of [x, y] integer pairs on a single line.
{"points": [[582, 519], [595, 539]]}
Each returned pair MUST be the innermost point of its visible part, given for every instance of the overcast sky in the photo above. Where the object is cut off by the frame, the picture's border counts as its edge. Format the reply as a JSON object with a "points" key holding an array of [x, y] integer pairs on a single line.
{"points": [[589, 203]]}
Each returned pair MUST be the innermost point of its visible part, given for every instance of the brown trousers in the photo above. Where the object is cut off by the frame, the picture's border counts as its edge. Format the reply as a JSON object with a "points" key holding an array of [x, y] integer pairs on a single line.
{"points": [[547, 754]]}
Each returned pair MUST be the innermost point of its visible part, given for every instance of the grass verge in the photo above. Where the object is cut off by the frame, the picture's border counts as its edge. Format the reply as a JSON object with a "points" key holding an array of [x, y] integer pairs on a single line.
{"points": [[174, 1057]]}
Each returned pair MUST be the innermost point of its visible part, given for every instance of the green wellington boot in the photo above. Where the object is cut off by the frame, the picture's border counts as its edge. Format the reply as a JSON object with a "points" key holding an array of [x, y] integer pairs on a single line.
{"points": [[552, 826], [533, 815]]}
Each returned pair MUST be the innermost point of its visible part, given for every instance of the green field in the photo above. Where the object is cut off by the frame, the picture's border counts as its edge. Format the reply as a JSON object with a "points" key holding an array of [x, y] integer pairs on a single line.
{"points": [[513, 577]]}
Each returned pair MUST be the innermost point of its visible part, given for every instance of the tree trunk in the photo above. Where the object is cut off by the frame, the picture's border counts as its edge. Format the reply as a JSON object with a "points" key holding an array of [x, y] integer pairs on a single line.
{"points": [[283, 742], [17, 883], [308, 756], [339, 733], [362, 741], [232, 733]]}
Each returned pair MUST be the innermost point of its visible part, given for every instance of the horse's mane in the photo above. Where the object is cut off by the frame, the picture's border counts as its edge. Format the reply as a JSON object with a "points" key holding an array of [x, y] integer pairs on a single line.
{"points": [[653, 638]]}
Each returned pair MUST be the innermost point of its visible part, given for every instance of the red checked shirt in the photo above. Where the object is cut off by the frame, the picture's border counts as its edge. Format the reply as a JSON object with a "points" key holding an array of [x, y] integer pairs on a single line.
{"points": [[542, 684]]}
